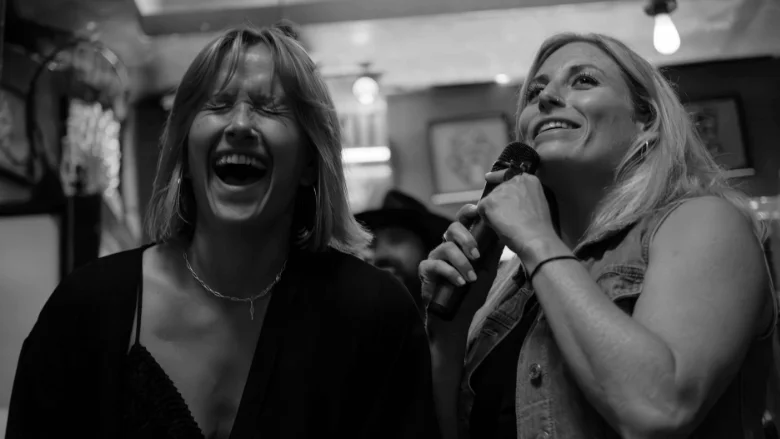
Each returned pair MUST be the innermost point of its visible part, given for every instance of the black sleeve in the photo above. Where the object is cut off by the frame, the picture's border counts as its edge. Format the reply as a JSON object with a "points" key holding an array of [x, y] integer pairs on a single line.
{"points": [[40, 397], [404, 407]]}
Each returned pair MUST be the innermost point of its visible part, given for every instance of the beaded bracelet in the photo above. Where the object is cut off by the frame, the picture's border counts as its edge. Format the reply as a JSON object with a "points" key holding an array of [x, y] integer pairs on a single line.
{"points": [[554, 258]]}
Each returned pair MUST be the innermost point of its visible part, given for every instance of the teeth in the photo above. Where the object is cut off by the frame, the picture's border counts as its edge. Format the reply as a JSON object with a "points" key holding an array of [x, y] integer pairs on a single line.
{"points": [[238, 159], [555, 124]]}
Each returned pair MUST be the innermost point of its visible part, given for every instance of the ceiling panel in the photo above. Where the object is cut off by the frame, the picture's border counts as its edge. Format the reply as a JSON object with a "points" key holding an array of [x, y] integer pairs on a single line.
{"points": [[415, 52], [160, 17]]}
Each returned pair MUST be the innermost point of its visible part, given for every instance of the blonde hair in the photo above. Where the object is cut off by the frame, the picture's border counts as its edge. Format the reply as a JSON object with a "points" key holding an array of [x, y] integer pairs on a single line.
{"points": [[171, 212], [666, 162]]}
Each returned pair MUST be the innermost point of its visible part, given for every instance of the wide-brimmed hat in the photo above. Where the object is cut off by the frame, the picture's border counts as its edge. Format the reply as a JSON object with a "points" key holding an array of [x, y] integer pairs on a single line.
{"points": [[401, 210]]}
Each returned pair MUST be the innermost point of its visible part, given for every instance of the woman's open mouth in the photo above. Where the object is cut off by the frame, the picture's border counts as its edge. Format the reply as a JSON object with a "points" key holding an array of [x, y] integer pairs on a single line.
{"points": [[239, 169], [553, 125]]}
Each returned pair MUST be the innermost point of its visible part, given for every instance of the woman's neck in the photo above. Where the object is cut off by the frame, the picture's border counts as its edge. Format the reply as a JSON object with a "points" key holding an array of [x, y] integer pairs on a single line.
{"points": [[238, 262]]}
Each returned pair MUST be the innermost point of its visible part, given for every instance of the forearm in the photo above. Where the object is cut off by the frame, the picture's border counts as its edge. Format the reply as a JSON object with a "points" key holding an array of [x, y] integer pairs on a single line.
{"points": [[448, 347], [626, 371]]}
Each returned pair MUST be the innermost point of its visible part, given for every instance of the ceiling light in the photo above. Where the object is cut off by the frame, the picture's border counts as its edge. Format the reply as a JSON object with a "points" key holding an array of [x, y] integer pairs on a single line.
{"points": [[666, 39], [365, 154], [502, 78], [366, 88]]}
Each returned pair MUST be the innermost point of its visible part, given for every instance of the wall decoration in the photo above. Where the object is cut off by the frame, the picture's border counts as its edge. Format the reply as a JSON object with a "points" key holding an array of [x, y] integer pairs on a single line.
{"points": [[14, 146], [464, 149], [91, 158], [719, 122]]}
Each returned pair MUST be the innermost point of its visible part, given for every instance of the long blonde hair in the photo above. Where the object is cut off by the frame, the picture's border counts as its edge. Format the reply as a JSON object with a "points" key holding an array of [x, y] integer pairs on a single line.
{"points": [[171, 214], [666, 162]]}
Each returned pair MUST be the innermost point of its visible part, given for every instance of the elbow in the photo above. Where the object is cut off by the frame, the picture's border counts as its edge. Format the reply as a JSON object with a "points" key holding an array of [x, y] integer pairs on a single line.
{"points": [[670, 421]]}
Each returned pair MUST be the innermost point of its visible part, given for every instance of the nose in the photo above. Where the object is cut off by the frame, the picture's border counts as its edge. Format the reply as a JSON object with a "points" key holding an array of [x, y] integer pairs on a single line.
{"points": [[240, 128], [548, 101]]}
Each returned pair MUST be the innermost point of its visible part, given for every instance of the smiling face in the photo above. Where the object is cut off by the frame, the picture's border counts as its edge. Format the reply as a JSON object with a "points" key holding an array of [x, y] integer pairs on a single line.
{"points": [[579, 114], [246, 152]]}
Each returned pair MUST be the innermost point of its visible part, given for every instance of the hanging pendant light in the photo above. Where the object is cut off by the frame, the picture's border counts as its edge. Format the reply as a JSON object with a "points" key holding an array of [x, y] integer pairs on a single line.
{"points": [[666, 39], [366, 88]]}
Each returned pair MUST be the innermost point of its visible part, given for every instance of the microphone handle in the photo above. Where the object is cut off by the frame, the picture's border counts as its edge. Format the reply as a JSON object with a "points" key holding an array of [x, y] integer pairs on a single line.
{"points": [[447, 299]]}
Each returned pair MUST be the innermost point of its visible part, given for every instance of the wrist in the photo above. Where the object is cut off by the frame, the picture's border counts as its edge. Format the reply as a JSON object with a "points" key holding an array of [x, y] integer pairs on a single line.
{"points": [[536, 250]]}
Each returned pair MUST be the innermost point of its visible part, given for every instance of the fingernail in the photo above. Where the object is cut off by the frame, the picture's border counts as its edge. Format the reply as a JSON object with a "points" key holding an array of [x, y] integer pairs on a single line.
{"points": [[475, 253], [461, 282], [472, 276]]}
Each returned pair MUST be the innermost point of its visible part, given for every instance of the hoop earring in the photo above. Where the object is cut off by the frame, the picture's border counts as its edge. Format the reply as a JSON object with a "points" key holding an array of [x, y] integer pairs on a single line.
{"points": [[307, 217], [316, 201], [179, 199]]}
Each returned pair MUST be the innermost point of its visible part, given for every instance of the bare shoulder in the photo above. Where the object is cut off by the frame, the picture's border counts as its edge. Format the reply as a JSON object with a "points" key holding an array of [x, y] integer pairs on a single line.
{"points": [[167, 298], [158, 259], [708, 248], [162, 268], [708, 222]]}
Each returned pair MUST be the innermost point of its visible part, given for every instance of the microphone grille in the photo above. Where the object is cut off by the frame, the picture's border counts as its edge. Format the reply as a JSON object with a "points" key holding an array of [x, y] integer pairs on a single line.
{"points": [[517, 153]]}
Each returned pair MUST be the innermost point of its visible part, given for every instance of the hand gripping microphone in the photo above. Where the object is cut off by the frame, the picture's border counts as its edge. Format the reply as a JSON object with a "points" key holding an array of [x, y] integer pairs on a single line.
{"points": [[517, 158]]}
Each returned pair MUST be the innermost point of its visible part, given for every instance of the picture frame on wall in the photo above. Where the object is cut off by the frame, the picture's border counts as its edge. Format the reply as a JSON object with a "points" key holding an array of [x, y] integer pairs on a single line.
{"points": [[719, 122], [462, 150]]}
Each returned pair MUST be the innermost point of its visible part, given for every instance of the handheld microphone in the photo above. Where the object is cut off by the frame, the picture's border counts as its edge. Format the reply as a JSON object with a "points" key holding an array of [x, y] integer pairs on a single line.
{"points": [[517, 158]]}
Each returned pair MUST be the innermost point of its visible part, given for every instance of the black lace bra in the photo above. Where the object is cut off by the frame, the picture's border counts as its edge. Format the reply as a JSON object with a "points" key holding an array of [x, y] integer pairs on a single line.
{"points": [[153, 407]]}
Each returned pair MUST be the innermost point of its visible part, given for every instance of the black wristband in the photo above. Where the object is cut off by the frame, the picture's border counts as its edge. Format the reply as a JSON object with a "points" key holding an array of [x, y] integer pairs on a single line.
{"points": [[554, 258]]}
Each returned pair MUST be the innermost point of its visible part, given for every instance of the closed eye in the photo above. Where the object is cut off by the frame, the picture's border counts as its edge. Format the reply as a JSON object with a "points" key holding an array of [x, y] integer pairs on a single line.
{"points": [[216, 105], [273, 108]]}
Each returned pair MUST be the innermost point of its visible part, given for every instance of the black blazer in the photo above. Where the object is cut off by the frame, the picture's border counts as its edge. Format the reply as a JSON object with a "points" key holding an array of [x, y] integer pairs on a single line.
{"points": [[342, 351]]}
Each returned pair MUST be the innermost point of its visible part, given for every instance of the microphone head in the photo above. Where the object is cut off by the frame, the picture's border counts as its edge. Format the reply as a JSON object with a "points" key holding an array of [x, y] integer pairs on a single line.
{"points": [[516, 153]]}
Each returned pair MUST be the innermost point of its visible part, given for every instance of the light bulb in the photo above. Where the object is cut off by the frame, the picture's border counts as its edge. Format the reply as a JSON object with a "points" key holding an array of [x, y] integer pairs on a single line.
{"points": [[666, 39], [502, 78], [365, 90]]}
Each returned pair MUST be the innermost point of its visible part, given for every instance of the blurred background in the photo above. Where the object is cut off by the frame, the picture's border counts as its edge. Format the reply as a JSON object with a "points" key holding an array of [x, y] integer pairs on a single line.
{"points": [[425, 90]]}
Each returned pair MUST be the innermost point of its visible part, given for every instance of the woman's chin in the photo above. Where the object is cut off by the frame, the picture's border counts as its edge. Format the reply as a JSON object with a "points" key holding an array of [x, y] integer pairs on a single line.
{"points": [[554, 149], [238, 204], [240, 216]]}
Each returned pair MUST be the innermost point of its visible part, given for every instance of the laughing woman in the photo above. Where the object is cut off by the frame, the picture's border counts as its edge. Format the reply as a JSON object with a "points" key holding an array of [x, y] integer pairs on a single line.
{"points": [[247, 317]]}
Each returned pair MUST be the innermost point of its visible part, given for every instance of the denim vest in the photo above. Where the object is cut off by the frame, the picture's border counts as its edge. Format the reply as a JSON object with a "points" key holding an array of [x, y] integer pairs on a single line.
{"points": [[548, 402]]}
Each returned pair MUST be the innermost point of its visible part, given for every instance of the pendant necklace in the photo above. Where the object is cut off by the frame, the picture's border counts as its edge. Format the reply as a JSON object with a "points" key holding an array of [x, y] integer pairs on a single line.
{"points": [[250, 299]]}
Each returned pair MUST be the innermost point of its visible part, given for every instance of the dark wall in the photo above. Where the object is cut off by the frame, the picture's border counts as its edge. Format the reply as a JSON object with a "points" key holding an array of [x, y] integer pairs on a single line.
{"points": [[754, 82], [148, 123], [756, 85]]}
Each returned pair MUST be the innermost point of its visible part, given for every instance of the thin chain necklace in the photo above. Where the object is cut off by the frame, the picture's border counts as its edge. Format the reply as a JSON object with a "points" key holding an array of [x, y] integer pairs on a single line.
{"points": [[251, 299]]}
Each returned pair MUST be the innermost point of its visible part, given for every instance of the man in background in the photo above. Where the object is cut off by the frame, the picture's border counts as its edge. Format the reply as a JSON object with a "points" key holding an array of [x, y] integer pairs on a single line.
{"points": [[405, 231]]}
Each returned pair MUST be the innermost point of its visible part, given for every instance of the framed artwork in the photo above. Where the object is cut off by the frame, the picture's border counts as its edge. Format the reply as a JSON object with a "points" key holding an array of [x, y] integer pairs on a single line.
{"points": [[719, 122], [462, 151], [15, 149]]}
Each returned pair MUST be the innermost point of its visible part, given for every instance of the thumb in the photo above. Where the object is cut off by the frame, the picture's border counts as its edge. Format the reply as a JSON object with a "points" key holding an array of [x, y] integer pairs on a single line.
{"points": [[467, 214]]}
